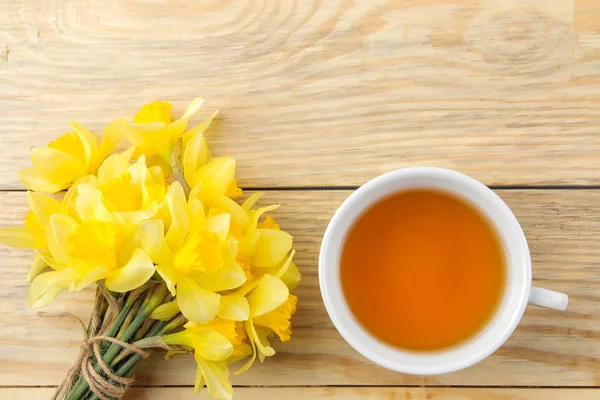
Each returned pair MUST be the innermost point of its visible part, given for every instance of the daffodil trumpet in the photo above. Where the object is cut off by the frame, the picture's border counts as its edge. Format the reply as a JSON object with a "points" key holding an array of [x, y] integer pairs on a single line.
{"points": [[178, 260]]}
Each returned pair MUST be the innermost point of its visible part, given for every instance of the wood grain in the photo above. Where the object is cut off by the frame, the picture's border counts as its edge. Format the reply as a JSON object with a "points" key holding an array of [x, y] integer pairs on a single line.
{"points": [[320, 92], [187, 393], [549, 348]]}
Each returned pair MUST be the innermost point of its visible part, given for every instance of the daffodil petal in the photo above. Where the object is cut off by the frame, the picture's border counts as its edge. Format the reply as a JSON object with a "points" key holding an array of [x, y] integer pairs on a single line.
{"points": [[68, 203], [252, 200], [89, 141], [256, 214], [158, 176], [240, 352], [287, 271], [249, 363], [229, 277], [34, 180], [212, 346], [178, 208], [50, 261], [219, 225], [58, 230], [216, 375], [195, 155], [125, 218], [113, 135], [271, 247], [291, 277], [234, 307], [175, 130], [247, 245], [41, 291], [37, 266], [113, 167], [132, 275], [144, 135], [286, 264], [43, 206], [238, 214], [196, 215], [152, 239], [56, 166], [170, 276], [196, 303], [157, 111], [92, 276], [18, 237], [90, 204], [270, 293], [193, 107], [264, 349], [215, 177], [46, 286], [138, 170], [199, 381], [201, 127], [166, 311]]}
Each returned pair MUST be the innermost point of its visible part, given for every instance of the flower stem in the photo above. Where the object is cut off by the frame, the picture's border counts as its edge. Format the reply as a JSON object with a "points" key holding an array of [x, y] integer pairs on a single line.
{"points": [[153, 299], [127, 367]]}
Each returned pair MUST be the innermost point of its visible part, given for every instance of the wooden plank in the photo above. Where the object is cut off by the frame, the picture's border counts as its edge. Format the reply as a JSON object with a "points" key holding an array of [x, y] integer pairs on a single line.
{"points": [[345, 393], [549, 348], [321, 93]]}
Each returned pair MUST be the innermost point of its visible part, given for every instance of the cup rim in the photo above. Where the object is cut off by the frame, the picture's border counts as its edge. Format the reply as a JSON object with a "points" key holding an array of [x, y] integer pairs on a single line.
{"points": [[473, 350]]}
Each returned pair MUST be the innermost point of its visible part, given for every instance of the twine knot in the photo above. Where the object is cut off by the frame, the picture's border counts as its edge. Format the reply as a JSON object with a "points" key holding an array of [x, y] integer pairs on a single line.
{"points": [[102, 381], [108, 385]]}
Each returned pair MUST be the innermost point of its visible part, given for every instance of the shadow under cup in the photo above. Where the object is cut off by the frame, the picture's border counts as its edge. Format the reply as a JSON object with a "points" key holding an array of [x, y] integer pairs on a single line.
{"points": [[517, 263]]}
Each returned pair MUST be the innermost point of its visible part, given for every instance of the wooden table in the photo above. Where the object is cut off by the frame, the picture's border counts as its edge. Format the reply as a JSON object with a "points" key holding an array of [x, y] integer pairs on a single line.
{"points": [[316, 98]]}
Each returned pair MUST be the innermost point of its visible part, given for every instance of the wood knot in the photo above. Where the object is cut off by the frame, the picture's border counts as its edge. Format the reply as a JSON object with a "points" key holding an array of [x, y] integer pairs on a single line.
{"points": [[522, 41]]}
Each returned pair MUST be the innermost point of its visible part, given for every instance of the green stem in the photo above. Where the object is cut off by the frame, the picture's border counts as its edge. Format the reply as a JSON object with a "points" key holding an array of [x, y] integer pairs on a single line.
{"points": [[130, 316], [141, 333], [152, 300], [127, 367], [81, 385]]}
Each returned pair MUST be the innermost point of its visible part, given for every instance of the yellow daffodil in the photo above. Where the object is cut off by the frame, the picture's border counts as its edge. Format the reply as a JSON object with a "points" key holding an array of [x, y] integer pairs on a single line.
{"points": [[278, 320], [286, 270], [164, 205], [84, 252], [70, 157], [133, 192], [194, 254], [32, 234], [154, 133], [264, 246], [213, 344], [265, 301]]}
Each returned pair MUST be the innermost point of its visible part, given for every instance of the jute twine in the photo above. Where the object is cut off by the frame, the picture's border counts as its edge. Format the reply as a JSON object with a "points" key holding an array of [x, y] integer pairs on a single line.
{"points": [[106, 385]]}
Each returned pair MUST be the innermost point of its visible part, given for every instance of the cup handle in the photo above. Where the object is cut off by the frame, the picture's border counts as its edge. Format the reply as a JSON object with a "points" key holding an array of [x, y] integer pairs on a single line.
{"points": [[548, 299]]}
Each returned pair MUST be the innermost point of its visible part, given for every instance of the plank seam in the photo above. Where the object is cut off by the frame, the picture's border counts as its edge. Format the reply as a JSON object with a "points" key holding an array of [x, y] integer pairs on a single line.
{"points": [[339, 386]]}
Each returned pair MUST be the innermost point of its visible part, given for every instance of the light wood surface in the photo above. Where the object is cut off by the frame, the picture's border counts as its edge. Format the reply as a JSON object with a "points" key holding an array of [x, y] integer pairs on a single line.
{"points": [[329, 94], [321, 92], [374, 393], [549, 348]]}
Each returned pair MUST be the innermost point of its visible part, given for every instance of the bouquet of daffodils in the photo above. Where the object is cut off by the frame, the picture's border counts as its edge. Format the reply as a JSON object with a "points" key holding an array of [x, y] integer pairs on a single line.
{"points": [[177, 262]]}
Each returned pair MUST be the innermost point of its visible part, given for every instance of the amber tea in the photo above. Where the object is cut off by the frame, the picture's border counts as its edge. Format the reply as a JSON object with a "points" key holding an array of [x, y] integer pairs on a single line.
{"points": [[423, 270]]}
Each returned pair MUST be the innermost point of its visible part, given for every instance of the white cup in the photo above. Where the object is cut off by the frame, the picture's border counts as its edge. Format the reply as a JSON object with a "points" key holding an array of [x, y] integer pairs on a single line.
{"points": [[517, 292]]}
